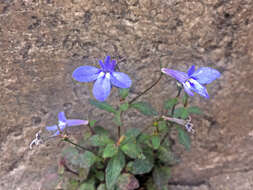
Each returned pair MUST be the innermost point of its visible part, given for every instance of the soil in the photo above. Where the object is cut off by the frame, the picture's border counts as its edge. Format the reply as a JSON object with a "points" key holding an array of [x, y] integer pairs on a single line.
{"points": [[42, 42]]}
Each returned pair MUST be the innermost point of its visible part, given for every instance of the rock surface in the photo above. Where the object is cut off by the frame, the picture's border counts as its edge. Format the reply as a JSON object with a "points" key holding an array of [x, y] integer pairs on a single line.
{"points": [[42, 42]]}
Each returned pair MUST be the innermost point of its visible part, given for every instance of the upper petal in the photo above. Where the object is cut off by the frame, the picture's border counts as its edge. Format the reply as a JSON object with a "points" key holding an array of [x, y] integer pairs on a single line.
{"points": [[180, 76], [191, 70], [76, 122], [109, 64], [102, 87], [205, 75], [86, 73], [198, 88], [121, 80], [61, 117]]}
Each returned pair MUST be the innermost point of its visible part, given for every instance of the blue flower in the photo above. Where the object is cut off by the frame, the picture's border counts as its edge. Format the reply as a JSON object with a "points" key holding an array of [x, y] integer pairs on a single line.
{"points": [[64, 122], [194, 80], [104, 78]]}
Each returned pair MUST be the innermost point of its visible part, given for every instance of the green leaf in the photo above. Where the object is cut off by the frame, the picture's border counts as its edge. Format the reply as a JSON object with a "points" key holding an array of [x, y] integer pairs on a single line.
{"points": [[140, 166], [117, 118], [72, 184], [100, 175], [131, 135], [170, 103], [194, 110], [92, 122], [155, 141], [162, 126], [145, 108], [132, 150], [150, 184], [102, 106], [161, 177], [181, 113], [123, 92], [184, 138], [127, 182], [83, 173], [113, 170], [166, 156], [143, 138], [88, 159], [110, 150], [101, 131], [72, 155], [88, 185], [101, 187], [100, 140], [124, 107]]}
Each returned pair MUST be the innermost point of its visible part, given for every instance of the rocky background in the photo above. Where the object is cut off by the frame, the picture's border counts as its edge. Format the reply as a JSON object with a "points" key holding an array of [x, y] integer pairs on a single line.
{"points": [[43, 41]]}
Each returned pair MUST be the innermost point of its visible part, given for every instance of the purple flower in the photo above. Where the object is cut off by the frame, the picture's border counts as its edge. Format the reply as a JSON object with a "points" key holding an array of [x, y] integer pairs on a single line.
{"points": [[64, 122], [194, 80], [104, 78]]}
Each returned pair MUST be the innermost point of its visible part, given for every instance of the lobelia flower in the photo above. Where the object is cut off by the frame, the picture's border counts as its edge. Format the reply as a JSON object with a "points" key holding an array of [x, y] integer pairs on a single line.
{"points": [[64, 122], [186, 123], [194, 80], [104, 78]]}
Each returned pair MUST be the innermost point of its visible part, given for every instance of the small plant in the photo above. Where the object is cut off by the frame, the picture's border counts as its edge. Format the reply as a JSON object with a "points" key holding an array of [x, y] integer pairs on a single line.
{"points": [[136, 159]]}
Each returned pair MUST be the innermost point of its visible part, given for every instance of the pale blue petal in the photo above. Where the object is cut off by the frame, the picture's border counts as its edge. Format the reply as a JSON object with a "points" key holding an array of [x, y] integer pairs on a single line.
{"points": [[121, 80], [187, 89], [76, 122], [180, 76], [86, 73], [198, 88], [52, 128], [191, 70], [61, 117], [102, 87], [56, 133], [205, 75]]}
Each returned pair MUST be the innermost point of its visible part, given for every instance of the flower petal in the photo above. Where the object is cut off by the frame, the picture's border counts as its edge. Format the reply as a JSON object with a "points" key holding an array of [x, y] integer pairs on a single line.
{"points": [[102, 87], [198, 88], [56, 133], [191, 70], [86, 73], [121, 80], [102, 65], [205, 75], [107, 60], [61, 117], [180, 76], [52, 128], [76, 122], [187, 89], [109, 64]]}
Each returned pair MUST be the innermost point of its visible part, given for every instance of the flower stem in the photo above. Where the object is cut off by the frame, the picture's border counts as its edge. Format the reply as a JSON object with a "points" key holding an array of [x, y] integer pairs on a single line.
{"points": [[70, 170], [91, 130], [174, 106], [172, 113], [119, 131], [71, 142], [149, 88]]}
